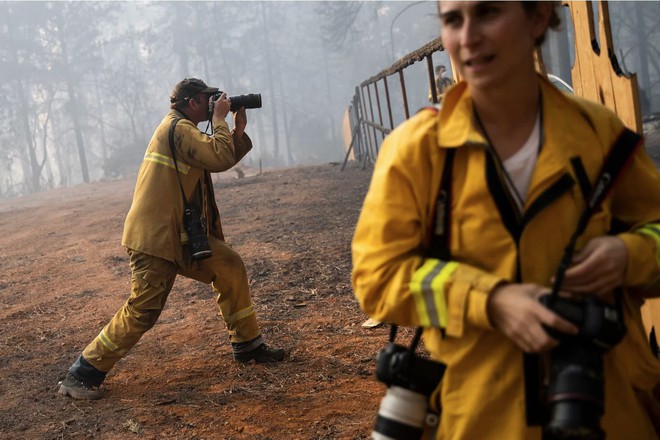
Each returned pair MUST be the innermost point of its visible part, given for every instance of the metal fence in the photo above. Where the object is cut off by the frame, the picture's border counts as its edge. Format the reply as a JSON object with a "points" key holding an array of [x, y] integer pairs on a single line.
{"points": [[367, 110], [366, 119]]}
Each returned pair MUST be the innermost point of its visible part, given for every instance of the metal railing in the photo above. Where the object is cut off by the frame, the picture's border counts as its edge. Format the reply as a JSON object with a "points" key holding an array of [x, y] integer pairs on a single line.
{"points": [[365, 129]]}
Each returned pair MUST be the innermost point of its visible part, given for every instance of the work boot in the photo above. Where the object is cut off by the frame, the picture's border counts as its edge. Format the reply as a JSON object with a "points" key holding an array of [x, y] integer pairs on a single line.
{"points": [[77, 388], [261, 355]]}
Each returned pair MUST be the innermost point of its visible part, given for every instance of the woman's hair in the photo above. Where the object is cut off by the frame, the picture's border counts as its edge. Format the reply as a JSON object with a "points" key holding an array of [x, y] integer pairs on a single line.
{"points": [[531, 6]]}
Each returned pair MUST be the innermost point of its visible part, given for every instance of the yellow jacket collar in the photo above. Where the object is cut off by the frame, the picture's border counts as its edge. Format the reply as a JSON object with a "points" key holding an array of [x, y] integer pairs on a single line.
{"points": [[457, 107], [558, 110], [563, 127], [178, 114]]}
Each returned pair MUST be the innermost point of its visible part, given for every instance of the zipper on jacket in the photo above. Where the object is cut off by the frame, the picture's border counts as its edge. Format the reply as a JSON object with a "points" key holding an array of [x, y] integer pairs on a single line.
{"points": [[496, 176], [508, 210]]}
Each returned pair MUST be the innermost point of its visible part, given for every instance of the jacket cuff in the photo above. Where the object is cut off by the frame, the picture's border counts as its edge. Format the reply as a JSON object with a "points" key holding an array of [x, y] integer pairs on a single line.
{"points": [[242, 145], [642, 267], [221, 126], [468, 297], [477, 312]]}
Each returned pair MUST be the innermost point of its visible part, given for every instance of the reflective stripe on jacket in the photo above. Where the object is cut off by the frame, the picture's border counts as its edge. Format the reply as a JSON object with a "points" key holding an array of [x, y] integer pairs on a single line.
{"points": [[154, 224], [483, 388]]}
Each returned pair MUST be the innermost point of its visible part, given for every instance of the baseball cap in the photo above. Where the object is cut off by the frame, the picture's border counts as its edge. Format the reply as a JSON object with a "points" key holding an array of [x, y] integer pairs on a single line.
{"points": [[188, 88]]}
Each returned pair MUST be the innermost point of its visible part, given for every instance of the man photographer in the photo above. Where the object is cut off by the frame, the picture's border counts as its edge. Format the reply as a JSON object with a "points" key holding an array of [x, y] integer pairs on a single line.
{"points": [[174, 181], [442, 83]]}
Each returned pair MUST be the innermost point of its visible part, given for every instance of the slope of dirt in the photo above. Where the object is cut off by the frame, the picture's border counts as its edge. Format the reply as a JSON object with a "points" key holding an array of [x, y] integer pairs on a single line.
{"points": [[64, 274]]}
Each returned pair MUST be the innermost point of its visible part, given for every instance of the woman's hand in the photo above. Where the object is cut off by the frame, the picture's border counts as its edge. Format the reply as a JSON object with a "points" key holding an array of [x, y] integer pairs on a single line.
{"points": [[598, 268], [515, 310]]}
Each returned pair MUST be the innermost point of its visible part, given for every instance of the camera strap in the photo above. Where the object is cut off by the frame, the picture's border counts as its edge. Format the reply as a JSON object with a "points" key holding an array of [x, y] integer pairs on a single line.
{"points": [[438, 243], [441, 223], [176, 167], [416, 338], [619, 155]]}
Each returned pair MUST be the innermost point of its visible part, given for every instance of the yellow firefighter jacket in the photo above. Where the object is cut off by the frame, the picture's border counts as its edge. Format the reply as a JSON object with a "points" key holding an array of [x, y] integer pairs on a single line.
{"points": [[482, 392], [154, 224]]}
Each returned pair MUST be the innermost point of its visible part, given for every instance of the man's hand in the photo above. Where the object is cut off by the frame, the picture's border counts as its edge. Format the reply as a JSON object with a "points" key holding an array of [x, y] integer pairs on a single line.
{"points": [[221, 108], [515, 310], [598, 268], [240, 121]]}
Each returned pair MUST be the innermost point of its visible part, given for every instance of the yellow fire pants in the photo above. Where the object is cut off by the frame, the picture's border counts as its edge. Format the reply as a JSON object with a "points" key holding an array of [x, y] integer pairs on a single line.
{"points": [[152, 280]]}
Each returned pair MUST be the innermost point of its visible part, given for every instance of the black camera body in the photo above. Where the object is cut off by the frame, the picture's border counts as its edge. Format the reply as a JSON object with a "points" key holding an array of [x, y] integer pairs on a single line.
{"points": [[195, 225], [411, 380], [251, 100], [575, 392], [396, 365]]}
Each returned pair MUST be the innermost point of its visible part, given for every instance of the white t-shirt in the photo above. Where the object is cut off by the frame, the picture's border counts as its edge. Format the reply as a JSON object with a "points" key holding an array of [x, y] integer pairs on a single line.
{"points": [[521, 165]]}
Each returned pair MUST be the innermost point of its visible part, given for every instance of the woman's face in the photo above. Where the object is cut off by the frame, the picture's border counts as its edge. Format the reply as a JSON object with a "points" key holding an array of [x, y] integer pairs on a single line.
{"points": [[491, 42]]}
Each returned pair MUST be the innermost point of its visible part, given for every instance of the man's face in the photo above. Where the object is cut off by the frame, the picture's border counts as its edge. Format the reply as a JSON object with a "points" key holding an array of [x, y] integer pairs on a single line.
{"points": [[199, 107]]}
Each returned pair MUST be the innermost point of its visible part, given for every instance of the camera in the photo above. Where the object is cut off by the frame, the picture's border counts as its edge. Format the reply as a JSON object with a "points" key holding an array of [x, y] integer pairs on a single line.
{"points": [[575, 391], [411, 380], [251, 100], [195, 225]]}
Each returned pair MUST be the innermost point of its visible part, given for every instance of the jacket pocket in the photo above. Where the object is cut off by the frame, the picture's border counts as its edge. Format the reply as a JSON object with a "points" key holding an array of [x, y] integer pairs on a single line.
{"points": [[149, 290]]}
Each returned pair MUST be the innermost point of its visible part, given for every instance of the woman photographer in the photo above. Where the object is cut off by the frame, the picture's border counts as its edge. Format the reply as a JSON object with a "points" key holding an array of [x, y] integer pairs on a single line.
{"points": [[522, 152]]}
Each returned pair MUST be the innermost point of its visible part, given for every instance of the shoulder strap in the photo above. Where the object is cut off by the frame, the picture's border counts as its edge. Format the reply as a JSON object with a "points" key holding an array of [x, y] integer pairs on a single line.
{"points": [[439, 244], [619, 155], [173, 151], [441, 224], [171, 137]]}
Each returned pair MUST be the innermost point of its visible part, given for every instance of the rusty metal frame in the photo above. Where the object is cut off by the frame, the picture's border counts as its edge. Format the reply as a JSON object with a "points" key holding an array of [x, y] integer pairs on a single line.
{"points": [[368, 125]]}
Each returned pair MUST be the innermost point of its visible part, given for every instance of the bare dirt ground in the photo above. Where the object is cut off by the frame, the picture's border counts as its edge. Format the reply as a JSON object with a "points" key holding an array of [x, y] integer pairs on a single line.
{"points": [[64, 274]]}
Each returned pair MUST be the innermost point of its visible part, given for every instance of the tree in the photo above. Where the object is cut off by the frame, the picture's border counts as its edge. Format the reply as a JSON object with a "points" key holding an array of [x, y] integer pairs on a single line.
{"points": [[85, 83], [73, 38], [21, 51]]}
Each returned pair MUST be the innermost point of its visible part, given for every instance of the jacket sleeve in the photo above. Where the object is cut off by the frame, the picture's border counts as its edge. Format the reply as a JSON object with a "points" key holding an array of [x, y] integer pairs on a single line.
{"points": [[213, 153], [636, 202], [392, 279], [242, 146]]}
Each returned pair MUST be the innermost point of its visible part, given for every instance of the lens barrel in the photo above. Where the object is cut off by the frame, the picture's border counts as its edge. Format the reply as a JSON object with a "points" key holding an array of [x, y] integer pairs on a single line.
{"points": [[401, 415], [198, 242], [200, 249], [575, 396], [403, 412], [251, 100]]}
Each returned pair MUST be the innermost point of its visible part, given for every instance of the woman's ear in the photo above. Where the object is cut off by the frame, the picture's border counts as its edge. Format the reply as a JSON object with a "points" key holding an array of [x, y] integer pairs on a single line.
{"points": [[541, 18]]}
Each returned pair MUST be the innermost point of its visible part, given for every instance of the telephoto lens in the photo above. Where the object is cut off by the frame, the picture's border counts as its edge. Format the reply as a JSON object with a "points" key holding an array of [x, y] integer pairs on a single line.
{"points": [[403, 412], [198, 242], [575, 394], [402, 415], [251, 100], [575, 397]]}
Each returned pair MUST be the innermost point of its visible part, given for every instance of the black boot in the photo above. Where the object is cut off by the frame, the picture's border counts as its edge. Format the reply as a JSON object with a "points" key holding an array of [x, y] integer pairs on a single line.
{"points": [[256, 350], [82, 381]]}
